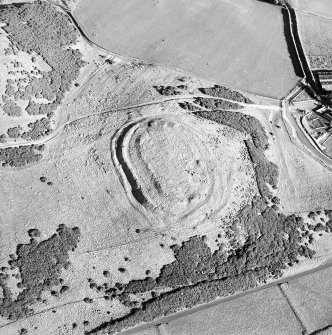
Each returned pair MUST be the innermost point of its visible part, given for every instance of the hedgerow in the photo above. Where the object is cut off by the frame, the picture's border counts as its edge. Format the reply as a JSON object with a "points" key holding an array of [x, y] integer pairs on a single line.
{"points": [[216, 104], [224, 92]]}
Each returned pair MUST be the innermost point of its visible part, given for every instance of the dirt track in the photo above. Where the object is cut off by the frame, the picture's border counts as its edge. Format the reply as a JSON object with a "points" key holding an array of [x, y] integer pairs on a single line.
{"points": [[178, 97]]}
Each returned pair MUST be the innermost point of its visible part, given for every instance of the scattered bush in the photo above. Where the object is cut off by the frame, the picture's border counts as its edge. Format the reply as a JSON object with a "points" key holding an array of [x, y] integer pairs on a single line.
{"points": [[189, 106], [329, 226], [33, 232], [226, 93], [266, 172], [197, 275], [312, 215], [38, 129], [33, 108], [40, 265], [64, 289], [106, 273], [319, 227], [14, 132], [38, 27], [169, 90], [216, 104], [10, 90], [11, 109], [21, 156], [3, 138]]}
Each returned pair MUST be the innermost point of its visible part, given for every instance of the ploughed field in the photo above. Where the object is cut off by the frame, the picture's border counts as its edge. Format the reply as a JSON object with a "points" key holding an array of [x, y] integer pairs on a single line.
{"points": [[239, 43]]}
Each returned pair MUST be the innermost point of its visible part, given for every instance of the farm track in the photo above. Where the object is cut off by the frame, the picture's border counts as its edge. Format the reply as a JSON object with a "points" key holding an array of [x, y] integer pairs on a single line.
{"points": [[58, 130], [71, 17]]}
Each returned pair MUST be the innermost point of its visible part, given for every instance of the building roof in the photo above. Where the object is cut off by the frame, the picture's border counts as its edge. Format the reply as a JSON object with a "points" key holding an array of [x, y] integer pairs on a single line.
{"points": [[324, 73], [328, 116], [325, 79], [322, 120]]}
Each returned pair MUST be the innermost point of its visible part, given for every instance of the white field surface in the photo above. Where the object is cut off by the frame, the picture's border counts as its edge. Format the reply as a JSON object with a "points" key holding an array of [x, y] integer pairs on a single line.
{"points": [[239, 43], [311, 297], [264, 312], [316, 36], [318, 7]]}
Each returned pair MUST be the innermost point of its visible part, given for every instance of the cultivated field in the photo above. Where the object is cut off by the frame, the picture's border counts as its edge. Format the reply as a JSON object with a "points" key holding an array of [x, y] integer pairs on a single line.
{"points": [[316, 35], [319, 7], [219, 40]]}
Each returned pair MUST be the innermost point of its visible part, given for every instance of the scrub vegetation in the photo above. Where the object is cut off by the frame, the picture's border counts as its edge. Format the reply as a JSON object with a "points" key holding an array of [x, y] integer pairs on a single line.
{"points": [[216, 104], [224, 92], [39, 28], [170, 90], [273, 242], [40, 265], [21, 156]]}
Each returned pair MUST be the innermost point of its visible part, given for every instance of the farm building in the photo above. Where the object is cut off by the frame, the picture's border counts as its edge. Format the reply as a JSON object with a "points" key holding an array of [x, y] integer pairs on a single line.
{"points": [[328, 116], [324, 113], [320, 120], [325, 80]]}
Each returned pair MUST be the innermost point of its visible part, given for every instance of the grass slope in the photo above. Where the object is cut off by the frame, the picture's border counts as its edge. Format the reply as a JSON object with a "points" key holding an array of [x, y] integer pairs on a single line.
{"points": [[273, 242], [238, 43]]}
